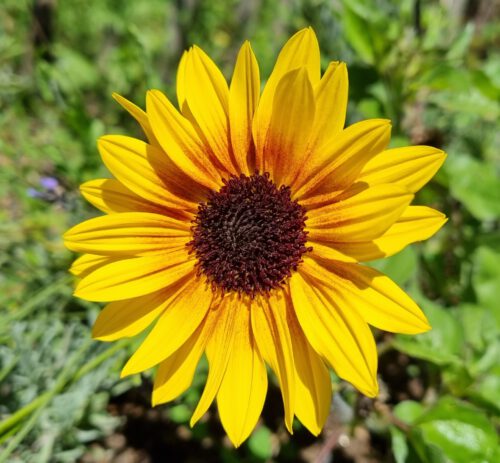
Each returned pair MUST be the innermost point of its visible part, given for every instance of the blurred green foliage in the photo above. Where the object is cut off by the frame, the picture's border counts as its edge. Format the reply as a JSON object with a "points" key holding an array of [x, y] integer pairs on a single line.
{"points": [[433, 67]]}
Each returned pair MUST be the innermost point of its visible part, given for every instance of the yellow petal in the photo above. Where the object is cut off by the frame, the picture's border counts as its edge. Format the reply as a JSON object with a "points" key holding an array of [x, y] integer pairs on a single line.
{"points": [[185, 309], [139, 115], [243, 388], [272, 334], [128, 233], [218, 351], [410, 167], [134, 277], [361, 217], [207, 96], [335, 165], [124, 319], [243, 99], [181, 80], [313, 388], [331, 105], [289, 127], [148, 172], [178, 138], [110, 196], [330, 250], [301, 50], [379, 301], [342, 337], [416, 223], [175, 373], [88, 263]]}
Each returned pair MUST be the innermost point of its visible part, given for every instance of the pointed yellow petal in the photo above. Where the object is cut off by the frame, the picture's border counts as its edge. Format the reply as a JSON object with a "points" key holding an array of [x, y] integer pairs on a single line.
{"points": [[139, 115], [207, 96], [341, 337], [361, 217], [134, 277], [175, 373], [335, 165], [410, 167], [243, 389], [110, 196], [272, 334], [301, 50], [148, 172], [331, 105], [289, 127], [218, 351], [313, 388], [178, 138], [185, 309], [380, 301], [416, 223], [181, 80], [124, 319], [88, 263], [243, 99], [128, 233]]}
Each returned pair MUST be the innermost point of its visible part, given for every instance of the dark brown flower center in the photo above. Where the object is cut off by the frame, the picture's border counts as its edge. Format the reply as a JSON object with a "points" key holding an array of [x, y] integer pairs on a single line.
{"points": [[249, 236]]}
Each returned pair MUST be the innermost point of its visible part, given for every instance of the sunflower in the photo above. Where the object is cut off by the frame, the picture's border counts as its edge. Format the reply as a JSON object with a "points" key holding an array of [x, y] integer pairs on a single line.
{"points": [[238, 229]]}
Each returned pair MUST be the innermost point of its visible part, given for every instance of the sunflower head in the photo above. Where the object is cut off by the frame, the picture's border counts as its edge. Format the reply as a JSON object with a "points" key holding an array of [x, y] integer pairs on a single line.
{"points": [[238, 230], [249, 236]]}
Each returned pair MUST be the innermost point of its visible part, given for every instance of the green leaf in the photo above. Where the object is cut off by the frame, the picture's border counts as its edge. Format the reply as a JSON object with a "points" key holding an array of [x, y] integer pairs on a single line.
{"points": [[462, 432], [479, 324], [444, 76], [487, 360], [399, 445], [486, 279], [260, 443], [443, 344], [408, 411], [400, 267], [180, 413], [357, 30], [476, 185], [461, 43], [487, 390]]}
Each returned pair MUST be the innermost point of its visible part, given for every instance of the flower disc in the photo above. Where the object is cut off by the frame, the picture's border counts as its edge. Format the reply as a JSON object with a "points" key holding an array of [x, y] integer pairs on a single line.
{"points": [[249, 235]]}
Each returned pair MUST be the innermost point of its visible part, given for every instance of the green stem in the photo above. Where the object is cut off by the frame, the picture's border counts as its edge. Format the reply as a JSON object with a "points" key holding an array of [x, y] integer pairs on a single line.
{"points": [[39, 297], [95, 362], [10, 433]]}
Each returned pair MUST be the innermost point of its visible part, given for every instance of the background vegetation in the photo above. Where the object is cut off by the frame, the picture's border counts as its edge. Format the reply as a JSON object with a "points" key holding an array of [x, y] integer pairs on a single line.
{"points": [[431, 66]]}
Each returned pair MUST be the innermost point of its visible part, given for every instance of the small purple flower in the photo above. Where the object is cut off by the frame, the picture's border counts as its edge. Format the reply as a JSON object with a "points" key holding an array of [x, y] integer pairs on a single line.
{"points": [[33, 193], [49, 183]]}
